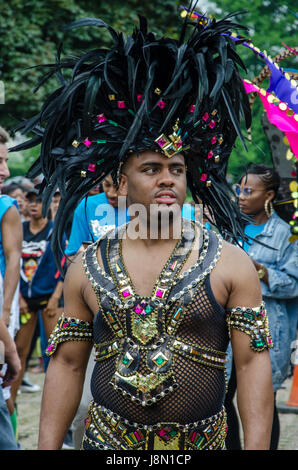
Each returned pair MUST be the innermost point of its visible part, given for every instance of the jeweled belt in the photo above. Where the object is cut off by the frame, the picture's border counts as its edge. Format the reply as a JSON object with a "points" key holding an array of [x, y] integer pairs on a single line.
{"points": [[105, 430]]}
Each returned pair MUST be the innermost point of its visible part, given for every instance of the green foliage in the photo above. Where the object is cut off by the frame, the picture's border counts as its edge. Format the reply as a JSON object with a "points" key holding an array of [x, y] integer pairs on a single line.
{"points": [[30, 32]]}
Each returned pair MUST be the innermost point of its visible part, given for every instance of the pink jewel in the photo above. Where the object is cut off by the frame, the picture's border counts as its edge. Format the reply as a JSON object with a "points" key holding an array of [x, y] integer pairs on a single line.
{"points": [[269, 341], [173, 266], [204, 176], [161, 104], [161, 142], [205, 117], [87, 142], [214, 140], [65, 325], [161, 432], [212, 124], [192, 108], [101, 118], [121, 104], [50, 348], [91, 167], [159, 293], [126, 293], [139, 98], [210, 154]]}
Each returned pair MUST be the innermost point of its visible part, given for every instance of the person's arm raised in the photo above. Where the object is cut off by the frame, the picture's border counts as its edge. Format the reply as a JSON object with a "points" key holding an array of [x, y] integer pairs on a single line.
{"points": [[250, 350], [66, 371]]}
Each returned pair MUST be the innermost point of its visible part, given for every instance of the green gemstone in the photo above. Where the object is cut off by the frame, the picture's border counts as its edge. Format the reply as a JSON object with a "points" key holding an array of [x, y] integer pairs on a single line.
{"points": [[159, 361], [148, 309], [259, 343], [250, 316]]}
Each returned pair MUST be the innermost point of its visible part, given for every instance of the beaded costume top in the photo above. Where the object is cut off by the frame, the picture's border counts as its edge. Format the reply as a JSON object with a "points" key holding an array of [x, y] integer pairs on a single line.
{"points": [[160, 357]]}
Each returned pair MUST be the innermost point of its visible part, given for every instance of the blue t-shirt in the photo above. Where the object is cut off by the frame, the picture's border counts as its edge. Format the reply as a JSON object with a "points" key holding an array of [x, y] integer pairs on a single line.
{"points": [[94, 217], [6, 202], [252, 231]]}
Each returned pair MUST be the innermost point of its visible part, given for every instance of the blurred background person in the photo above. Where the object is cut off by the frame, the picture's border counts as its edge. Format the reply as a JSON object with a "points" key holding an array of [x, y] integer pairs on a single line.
{"points": [[276, 265], [10, 255], [55, 205], [40, 288], [89, 222], [16, 191]]}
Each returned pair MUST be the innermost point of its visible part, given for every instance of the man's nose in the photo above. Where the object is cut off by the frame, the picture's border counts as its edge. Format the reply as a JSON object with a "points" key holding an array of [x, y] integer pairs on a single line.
{"points": [[166, 178]]}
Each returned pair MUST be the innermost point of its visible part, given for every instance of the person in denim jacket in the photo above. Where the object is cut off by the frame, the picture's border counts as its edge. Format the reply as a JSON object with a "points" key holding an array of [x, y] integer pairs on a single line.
{"points": [[276, 264]]}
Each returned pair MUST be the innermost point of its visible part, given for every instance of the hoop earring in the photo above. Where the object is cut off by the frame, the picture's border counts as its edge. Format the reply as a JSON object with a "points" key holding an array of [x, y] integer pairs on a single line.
{"points": [[268, 208]]}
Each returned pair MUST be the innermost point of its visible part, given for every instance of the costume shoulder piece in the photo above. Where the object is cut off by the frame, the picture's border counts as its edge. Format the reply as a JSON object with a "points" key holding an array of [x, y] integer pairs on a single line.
{"points": [[253, 322]]}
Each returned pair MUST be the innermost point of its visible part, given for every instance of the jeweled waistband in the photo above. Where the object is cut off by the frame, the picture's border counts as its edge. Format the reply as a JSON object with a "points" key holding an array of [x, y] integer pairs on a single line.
{"points": [[105, 430]]}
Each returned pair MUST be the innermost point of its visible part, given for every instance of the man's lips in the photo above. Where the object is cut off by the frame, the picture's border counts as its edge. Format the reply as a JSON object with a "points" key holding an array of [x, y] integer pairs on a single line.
{"points": [[165, 197]]}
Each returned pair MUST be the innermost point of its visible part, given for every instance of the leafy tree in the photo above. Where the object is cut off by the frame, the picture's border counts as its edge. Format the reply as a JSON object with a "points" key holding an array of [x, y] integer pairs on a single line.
{"points": [[30, 32]]}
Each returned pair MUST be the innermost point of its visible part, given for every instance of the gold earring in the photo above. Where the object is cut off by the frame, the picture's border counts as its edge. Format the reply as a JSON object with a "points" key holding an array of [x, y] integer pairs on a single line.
{"points": [[268, 208]]}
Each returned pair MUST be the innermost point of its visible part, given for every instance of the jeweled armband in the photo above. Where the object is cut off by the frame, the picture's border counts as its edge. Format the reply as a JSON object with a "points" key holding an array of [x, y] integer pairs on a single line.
{"points": [[69, 329], [254, 322]]}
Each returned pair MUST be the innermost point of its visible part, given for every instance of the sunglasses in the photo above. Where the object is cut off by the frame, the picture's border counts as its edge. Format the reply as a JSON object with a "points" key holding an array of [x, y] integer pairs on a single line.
{"points": [[246, 191]]}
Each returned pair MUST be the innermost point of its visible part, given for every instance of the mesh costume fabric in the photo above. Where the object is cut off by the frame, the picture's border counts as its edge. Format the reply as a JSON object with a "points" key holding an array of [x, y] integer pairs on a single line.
{"points": [[198, 386]]}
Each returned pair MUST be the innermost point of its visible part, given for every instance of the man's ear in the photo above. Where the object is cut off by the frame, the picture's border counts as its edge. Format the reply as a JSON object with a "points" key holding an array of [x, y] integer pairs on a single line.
{"points": [[123, 185]]}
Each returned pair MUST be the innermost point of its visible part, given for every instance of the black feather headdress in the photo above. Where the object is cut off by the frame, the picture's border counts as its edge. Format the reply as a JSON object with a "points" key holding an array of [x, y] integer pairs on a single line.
{"points": [[144, 92]]}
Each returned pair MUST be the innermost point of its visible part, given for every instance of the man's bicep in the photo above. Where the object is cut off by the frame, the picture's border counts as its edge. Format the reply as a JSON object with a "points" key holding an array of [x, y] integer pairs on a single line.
{"points": [[74, 303], [246, 289]]}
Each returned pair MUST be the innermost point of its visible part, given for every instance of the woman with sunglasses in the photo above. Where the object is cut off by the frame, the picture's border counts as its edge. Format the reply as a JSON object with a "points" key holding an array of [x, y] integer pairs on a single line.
{"points": [[276, 264]]}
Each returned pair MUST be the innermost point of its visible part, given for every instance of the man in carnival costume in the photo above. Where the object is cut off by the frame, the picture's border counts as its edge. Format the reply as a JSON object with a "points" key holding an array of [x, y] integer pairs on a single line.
{"points": [[158, 114]]}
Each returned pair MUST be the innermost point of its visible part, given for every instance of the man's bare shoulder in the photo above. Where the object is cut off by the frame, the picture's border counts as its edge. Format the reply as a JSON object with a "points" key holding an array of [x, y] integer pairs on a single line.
{"points": [[242, 276], [75, 275], [236, 257]]}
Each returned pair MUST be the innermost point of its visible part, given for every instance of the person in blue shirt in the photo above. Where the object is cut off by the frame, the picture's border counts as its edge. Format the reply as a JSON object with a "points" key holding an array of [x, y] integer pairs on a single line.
{"points": [[276, 264], [94, 216], [10, 254]]}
